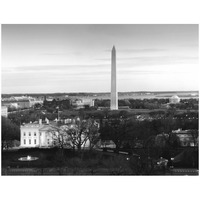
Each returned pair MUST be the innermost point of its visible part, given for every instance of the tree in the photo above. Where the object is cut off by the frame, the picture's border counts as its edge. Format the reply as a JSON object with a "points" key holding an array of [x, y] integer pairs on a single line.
{"points": [[115, 130], [59, 136], [83, 131], [76, 134], [195, 136], [37, 106], [9, 132], [93, 133]]}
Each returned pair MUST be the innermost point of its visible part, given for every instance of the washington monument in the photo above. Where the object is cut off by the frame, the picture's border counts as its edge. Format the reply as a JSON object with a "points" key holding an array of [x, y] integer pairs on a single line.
{"points": [[114, 95]]}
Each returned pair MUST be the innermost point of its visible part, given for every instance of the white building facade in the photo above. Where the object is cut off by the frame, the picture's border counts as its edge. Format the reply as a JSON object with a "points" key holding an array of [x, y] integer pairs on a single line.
{"points": [[36, 135], [30, 135], [45, 135], [174, 99], [4, 111], [81, 103]]}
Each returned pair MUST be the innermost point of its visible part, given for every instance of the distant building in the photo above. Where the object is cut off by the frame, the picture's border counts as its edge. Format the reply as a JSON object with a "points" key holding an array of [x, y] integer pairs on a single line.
{"points": [[49, 98], [103, 108], [9, 104], [34, 101], [23, 103], [186, 137], [107, 144], [174, 99], [62, 97], [123, 107], [4, 111], [82, 103]]}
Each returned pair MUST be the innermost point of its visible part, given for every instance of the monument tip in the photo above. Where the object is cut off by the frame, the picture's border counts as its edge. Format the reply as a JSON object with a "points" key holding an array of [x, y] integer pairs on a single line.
{"points": [[113, 47]]}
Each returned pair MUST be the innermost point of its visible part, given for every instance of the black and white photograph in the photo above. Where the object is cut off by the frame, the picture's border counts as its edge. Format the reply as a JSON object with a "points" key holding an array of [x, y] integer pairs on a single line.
{"points": [[100, 99]]}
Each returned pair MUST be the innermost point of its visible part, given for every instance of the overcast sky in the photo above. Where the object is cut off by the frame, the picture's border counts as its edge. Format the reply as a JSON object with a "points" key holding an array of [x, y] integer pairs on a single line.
{"points": [[77, 58]]}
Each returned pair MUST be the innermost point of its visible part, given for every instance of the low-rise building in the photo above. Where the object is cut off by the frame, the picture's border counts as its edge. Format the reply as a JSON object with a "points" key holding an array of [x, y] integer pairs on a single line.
{"points": [[107, 144], [34, 101], [4, 111], [23, 103], [82, 103], [186, 137]]}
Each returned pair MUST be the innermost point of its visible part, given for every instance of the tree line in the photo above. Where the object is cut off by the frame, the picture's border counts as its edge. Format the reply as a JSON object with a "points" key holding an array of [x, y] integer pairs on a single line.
{"points": [[9, 133], [126, 132], [149, 103]]}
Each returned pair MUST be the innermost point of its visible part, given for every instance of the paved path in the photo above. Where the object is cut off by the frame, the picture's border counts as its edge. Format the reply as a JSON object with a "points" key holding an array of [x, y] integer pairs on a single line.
{"points": [[184, 171]]}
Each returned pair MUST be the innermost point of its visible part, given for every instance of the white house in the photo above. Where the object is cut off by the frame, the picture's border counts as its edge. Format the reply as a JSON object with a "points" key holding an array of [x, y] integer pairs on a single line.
{"points": [[43, 135]]}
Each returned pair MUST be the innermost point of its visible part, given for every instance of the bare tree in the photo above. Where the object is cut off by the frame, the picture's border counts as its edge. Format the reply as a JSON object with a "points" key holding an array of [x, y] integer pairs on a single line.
{"points": [[83, 131], [59, 136], [76, 134], [115, 130], [195, 136], [93, 133]]}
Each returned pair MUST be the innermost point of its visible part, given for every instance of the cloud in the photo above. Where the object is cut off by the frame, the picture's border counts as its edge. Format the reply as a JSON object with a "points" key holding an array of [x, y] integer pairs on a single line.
{"points": [[61, 68], [156, 60], [144, 50], [77, 53], [54, 54]]}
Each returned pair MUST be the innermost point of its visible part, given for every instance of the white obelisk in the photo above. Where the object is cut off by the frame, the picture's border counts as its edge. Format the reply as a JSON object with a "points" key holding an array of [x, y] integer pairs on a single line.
{"points": [[114, 95]]}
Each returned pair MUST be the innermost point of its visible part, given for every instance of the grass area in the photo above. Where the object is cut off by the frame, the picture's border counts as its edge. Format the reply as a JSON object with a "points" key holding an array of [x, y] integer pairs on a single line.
{"points": [[82, 163], [54, 158]]}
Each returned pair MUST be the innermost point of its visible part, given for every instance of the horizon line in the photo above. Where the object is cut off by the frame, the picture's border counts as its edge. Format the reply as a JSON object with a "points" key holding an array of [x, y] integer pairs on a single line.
{"points": [[143, 91]]}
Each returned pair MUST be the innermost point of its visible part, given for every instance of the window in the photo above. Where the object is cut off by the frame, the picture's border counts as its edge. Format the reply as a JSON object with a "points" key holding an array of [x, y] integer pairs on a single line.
{"points": [[24, 134], [29, 133], [29, 141], [24, 141], [48, 141], [35, 134], [34, 141]]}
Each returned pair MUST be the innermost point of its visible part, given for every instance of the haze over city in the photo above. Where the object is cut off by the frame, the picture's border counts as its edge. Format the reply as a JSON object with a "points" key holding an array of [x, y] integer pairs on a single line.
{"points": [[77, 58]]}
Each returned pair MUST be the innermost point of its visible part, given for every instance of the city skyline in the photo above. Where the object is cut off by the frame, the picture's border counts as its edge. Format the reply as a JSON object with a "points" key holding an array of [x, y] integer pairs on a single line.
{"points": [[76, 58]]}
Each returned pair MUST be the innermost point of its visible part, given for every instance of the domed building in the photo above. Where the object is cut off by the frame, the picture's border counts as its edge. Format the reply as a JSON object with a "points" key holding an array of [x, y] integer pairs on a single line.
{"points": [[174, 99]]}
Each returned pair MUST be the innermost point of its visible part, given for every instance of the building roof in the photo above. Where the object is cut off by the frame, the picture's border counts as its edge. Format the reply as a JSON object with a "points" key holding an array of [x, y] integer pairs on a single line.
{"points": [[180, 131], [47, 127], [30, 125], [174, 97]]}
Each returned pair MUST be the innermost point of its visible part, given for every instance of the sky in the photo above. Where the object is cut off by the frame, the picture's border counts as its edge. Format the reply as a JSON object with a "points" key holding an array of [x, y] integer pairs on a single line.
{"points": [[77, 58]]}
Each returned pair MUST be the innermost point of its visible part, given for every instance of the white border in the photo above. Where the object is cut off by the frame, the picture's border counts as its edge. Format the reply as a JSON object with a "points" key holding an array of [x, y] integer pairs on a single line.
{"points": [[99, 12]]}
